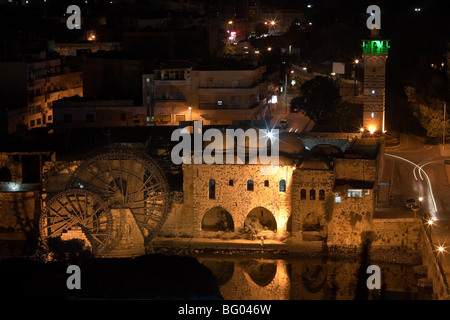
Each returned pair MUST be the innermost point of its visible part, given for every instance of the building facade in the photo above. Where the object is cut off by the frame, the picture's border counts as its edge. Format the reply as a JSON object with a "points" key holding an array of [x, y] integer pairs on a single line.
{"points": [[216, 97], [33, 87]]}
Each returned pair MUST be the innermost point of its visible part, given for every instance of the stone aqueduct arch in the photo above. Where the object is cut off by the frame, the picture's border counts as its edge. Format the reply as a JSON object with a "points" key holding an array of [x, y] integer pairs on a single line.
{"points": [[7, 163], [268, 218]]}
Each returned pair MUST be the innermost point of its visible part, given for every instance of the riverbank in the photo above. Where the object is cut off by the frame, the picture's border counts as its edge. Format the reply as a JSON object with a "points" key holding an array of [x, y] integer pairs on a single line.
{"points": [[273, 248]]}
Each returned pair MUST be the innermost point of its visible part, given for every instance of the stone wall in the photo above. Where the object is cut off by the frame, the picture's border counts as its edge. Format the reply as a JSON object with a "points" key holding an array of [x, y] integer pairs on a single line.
{"points": [[308, 211], [56, 175], [404, 233], [19, 212], [350, 219], [179, 222], [235, 198], [355, 169]]}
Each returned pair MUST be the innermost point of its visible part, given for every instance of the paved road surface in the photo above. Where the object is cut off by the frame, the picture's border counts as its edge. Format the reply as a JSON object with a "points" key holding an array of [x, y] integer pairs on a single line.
{"points": [[296, 122], [419, 170]]}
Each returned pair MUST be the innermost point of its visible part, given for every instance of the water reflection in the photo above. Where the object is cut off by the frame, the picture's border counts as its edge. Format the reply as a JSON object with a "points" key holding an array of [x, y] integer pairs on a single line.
{"points": [[304, 278]]}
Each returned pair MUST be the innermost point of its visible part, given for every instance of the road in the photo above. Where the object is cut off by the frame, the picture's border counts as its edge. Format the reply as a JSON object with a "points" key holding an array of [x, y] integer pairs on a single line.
{"points": [[297, 122], [420, 170]]}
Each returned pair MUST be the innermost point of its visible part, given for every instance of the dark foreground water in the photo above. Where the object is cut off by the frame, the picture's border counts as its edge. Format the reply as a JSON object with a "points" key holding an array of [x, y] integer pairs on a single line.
{"points": [[308, 278]]}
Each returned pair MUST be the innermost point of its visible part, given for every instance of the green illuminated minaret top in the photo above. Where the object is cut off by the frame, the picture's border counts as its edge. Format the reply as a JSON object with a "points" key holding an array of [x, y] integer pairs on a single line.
{"points": [[375, 45]]}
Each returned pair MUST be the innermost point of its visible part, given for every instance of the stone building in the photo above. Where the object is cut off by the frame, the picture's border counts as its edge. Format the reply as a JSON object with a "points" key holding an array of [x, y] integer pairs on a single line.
{"points": [[32, 85], [325, 193], [179, 92], [322, 192]]}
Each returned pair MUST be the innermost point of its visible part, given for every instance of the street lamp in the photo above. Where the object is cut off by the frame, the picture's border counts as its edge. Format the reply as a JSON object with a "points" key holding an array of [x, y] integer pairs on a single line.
{"points": [[443, 136], [190, 113], [355, 64]]}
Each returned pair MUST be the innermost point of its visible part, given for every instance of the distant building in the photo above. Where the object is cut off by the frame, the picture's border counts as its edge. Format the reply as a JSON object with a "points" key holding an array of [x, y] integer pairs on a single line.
{"points": [[84, 112], [214, 96], [30, 86], [76, 48]]}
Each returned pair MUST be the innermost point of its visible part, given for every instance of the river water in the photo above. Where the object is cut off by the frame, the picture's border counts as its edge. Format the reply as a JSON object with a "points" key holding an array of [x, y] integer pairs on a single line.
{"points": [[254, 277]]}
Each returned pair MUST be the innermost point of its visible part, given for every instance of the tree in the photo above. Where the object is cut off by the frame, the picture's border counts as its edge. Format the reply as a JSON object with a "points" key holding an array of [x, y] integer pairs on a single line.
{"points": [[432, 119], [319, 98]]}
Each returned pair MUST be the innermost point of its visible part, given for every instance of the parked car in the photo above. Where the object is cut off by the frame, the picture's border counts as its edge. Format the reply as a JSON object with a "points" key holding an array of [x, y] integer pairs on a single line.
{"points": [[283, 124], [410, 203]]}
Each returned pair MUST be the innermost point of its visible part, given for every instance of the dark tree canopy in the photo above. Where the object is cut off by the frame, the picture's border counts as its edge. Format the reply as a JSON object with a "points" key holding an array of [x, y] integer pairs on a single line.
{"points": [[319, 98]]}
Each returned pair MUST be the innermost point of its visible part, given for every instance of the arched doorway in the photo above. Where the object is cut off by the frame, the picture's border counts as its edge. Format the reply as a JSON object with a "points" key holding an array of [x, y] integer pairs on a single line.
{"points": [[217, 219], [260, 219], [5, 175]]}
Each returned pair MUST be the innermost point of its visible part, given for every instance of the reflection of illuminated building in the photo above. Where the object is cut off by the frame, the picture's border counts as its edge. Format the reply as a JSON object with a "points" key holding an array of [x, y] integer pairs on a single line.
{"points": [[304, 278]]}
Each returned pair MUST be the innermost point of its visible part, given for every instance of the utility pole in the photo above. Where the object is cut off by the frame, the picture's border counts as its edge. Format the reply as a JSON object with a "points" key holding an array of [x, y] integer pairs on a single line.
{"points": [[443, 136], [285, 92]]}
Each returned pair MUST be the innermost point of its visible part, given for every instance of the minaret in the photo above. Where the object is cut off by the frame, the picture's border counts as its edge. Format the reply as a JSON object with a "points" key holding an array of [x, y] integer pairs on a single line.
{"points": [[375, 53]]}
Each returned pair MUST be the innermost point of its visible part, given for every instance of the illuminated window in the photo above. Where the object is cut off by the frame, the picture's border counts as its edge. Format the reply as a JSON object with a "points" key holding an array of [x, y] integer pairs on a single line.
{"points": [[219, 102], [303, 194], [337, 198], [321, 194], [282, 185], [250, 185], [373, 114], [312, 194], [179, 117], [212, 189], [165, 118], [354, 193], [367, 192]]}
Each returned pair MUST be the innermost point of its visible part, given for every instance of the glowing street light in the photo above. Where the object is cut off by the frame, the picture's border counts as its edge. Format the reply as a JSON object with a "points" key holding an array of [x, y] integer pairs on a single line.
{"points": [[441, 249], [190, 113], [420, 198], [430, 222]]}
